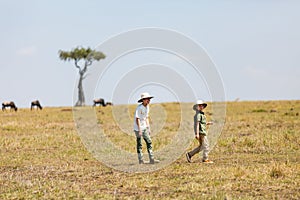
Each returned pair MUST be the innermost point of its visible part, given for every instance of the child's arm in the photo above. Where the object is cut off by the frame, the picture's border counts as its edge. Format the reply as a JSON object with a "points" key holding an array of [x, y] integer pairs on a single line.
{"points": [[148, 125], [138, 124], [197, 130]]}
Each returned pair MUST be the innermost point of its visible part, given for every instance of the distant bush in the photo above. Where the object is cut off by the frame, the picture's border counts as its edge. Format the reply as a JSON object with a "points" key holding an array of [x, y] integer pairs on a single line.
{"points": [[259, 110]]}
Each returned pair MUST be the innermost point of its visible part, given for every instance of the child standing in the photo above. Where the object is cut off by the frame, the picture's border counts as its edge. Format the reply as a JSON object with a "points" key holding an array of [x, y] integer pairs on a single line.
{"points": [[200, 133], [142, 128]]}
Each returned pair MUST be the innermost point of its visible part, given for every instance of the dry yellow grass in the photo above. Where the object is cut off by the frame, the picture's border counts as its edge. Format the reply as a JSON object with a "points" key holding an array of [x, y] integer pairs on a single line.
{"points": [[256, 157]]}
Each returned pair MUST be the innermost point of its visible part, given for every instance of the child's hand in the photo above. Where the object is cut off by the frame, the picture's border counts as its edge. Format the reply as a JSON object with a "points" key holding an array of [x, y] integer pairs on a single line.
{"points": [[197, 136], [140, 133]]}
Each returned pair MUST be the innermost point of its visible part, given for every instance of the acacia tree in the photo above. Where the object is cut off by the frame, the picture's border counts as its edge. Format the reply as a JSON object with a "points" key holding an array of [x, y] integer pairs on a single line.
{"points": [[85, 56]]}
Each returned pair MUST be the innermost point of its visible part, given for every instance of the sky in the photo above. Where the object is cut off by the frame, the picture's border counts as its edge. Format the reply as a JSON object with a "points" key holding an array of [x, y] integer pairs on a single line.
{"points": [[254, 46]]}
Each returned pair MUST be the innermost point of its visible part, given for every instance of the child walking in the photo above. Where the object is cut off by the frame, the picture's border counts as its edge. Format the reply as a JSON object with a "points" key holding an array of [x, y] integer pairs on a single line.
{"points": [[200, 133], [142, 128]]}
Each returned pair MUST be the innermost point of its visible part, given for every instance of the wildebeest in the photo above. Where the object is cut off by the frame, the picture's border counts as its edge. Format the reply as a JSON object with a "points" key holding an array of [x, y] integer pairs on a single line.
{"points": [[37, 104], [99, 101], [9, 104], [109, 103]]}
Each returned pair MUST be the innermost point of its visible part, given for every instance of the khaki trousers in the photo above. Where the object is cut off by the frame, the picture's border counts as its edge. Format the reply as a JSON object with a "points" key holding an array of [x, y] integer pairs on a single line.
{"points": [[203, 146]]}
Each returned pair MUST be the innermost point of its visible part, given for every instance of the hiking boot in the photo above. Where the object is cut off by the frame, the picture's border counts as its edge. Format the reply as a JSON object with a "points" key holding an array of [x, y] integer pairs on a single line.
{"points": [[207, 161], [153, 161], [188, 157], [141, 162]]}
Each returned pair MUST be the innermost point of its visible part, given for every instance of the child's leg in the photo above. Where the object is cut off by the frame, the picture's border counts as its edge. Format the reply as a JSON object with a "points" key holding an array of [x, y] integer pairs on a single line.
{"points": [[197, 149], [205, 148], [139, 146], [148, 141]]}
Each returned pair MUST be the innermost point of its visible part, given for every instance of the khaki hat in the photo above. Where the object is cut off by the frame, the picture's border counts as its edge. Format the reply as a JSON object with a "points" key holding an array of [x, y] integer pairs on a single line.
{"points": [[199, 102], [145, 95]]}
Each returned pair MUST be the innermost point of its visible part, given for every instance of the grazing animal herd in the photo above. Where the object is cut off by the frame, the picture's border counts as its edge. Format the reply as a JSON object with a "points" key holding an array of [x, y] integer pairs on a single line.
{"points": [[36, 104], [101, 102]]}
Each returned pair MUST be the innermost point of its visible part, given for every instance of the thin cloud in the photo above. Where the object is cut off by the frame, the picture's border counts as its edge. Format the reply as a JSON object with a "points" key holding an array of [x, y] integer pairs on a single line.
{"points": [[257, 73], [27, 51]]}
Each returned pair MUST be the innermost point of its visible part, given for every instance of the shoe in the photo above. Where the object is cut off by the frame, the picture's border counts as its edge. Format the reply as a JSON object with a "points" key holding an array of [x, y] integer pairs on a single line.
{"points": [[141, 162], [207, 161], [153, 161], [188, 157]]}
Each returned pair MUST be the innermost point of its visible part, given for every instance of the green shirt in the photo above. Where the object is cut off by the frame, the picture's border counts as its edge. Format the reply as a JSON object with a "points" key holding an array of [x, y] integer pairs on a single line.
{"points": [[201, 119]]}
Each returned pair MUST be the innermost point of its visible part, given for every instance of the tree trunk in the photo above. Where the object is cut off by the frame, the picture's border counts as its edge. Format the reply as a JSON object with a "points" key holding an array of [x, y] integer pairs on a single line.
{"points": [[81, 99]]}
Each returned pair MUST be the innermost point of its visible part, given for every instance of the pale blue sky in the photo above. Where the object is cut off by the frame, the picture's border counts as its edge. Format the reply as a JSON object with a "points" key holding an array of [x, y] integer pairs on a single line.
{"points": [[254, 44]]}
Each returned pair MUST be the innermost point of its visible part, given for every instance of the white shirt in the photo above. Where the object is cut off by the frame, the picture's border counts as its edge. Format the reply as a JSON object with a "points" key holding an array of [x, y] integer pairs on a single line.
{"points": [[142, 113]]}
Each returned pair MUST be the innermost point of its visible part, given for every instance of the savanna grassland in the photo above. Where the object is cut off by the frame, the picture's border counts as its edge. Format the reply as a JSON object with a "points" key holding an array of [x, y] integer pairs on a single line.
{"points": [[257, 156]]}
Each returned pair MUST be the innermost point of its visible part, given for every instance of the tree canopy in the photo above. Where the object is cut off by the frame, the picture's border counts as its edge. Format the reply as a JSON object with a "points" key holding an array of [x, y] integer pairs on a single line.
{"points": [[87, 55]]}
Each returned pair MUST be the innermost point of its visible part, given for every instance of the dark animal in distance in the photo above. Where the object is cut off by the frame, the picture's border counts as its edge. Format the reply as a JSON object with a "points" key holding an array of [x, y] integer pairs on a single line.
{"points": [[109, 103], [37, 104], [99, 101], [9, 104]]}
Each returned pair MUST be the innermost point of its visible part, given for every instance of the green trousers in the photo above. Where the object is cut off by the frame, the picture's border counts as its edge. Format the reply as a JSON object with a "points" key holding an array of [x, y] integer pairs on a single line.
{"points": [[139, 145]]}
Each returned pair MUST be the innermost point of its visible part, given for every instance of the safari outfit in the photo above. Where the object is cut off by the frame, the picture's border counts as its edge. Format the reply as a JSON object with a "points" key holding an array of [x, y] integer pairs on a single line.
{"points": [[142, 113], [203, 141]]}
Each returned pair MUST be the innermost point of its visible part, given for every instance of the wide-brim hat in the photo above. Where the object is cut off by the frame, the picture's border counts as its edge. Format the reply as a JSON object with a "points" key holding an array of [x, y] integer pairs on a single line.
{"points": [[145, 95], [199, 102]]}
